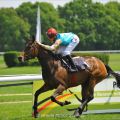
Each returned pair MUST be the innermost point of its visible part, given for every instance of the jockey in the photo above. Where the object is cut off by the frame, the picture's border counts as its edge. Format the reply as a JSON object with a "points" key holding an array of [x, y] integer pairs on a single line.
{"points": [[63, 44]]}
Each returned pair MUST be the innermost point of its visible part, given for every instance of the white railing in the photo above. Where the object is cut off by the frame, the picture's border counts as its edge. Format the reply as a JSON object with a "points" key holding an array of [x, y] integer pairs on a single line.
{"points": [[12, 78], [1, 53], [92, 51], [98, 51]]}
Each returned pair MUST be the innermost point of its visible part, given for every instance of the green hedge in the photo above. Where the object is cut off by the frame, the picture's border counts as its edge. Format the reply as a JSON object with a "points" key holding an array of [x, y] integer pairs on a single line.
{"points": [[102, 56], [32, 62], [11, 58]]}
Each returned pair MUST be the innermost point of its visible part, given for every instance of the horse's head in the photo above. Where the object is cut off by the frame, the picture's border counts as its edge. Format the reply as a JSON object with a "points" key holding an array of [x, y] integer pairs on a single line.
{"points": [[30, 51]]}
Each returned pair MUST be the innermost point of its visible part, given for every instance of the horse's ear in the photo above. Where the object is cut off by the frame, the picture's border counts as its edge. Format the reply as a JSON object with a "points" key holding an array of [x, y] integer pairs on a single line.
{"points": [[33, 38]]}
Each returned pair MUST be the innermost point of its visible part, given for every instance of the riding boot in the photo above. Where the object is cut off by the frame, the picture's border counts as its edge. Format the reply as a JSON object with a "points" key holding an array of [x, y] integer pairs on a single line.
{"points": [[73, 67], [63, 60]]}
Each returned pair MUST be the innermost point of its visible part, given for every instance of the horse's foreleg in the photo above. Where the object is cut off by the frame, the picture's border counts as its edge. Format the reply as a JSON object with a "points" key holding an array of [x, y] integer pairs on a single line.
{"points": [[87, 96], [80, 109], [58, 92], [44, 88]]}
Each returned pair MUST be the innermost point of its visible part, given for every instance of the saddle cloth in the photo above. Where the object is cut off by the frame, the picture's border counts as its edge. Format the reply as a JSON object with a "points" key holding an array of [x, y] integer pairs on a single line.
{"points": [[80, 63]]}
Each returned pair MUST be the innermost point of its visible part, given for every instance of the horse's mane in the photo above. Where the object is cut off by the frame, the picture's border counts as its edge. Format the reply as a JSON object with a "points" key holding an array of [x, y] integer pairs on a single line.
{"points": [[51, 53]]}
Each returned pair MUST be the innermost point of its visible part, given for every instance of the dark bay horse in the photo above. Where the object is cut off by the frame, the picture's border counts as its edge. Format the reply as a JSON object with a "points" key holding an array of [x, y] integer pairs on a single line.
{"points": [[56, 77]]}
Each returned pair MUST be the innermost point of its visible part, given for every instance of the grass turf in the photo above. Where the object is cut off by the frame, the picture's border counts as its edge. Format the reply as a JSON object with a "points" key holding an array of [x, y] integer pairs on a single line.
{"points": [[24, 112], [114, 61]]}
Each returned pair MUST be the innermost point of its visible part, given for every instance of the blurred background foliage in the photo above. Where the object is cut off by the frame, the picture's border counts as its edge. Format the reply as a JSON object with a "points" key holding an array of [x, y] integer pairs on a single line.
{"points": [[97, 24]]}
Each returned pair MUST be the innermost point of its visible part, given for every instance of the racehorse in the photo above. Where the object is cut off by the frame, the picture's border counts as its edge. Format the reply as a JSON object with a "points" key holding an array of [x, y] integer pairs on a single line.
{"points": [[57, 77]]}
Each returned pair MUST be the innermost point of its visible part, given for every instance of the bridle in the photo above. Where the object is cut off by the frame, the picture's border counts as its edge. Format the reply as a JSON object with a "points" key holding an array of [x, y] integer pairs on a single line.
{"points": [[31, 49]]}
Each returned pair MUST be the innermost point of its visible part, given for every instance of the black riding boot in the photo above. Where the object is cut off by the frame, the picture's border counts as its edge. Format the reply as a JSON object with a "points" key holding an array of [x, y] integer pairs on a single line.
{"points": [[63, 61], [69, 60]]}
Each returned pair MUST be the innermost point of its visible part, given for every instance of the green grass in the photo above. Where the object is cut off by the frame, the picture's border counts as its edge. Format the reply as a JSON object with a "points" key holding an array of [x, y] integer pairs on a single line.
{"points": [[16, 111], [22, 111], [63, 110], [15, 89], [115, 61], [20, 70], [4, 70], [2, 64], [15, 98]]}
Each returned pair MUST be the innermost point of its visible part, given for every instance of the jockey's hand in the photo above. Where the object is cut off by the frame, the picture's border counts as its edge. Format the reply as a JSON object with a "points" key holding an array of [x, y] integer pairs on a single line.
{"points": [[47, 47]]}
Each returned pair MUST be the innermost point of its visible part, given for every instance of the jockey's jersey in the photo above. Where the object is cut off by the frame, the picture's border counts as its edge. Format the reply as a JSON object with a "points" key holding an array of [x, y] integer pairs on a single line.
{"points": [[66, 38]]}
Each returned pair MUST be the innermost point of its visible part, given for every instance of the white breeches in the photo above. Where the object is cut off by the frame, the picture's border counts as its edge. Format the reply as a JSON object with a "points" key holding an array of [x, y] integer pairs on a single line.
{"points": [[66, 50]]}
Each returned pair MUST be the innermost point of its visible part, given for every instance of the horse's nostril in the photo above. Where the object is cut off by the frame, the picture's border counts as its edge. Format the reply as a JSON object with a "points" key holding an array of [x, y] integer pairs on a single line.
{"points": [[20, 59]]}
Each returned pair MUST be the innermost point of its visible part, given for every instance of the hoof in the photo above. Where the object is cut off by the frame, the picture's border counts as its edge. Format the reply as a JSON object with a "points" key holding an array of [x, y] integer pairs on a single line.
{"points": [[64, 103], [77, 113], [67, 102], [35, 114]]}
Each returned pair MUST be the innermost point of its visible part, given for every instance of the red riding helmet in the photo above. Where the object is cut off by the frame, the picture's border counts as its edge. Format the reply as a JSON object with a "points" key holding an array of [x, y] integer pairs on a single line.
{"points": [[51, 33]]}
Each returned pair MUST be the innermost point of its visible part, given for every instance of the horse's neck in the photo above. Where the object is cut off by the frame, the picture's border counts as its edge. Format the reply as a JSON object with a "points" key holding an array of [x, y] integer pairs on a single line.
{"points": [[44, 63], [46, 60], [47, 64]]}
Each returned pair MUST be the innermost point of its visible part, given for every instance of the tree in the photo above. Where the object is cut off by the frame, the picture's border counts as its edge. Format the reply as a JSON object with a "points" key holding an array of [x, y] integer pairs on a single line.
{"points": [[13, 30], [78, 21], [49, 17], [97, 25], [108, 33]]}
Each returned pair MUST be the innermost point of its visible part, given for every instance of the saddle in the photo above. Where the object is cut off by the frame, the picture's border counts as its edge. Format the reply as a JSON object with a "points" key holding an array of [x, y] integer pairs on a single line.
{"points": [[78, 61]]}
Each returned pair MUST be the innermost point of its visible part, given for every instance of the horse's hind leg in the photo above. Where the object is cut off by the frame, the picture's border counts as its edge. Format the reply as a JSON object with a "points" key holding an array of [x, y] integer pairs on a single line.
{"points": [[87, 96], [58, 92], [44, 88]]}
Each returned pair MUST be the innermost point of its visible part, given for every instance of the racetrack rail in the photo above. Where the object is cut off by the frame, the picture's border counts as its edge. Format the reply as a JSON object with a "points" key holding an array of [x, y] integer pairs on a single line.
{"points": [[107, 111]]}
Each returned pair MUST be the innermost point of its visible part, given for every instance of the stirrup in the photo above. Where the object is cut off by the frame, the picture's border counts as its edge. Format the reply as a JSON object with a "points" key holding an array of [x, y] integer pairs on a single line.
{"points": [[86, 65], [73, 69], [83, 66]]}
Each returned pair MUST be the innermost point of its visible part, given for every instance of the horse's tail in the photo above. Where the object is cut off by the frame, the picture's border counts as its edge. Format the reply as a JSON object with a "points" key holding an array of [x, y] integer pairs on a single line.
{"points": [[114, 74]]}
